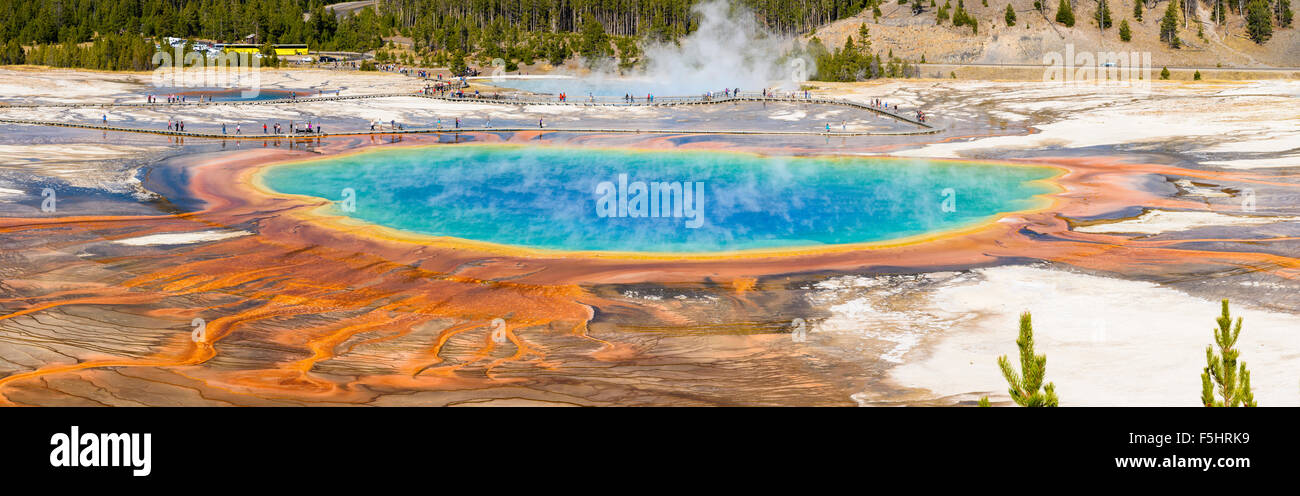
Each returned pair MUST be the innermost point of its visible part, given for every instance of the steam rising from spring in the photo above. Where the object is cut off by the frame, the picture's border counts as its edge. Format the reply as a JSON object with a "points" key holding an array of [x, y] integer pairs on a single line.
{"points": [[728, 50]]}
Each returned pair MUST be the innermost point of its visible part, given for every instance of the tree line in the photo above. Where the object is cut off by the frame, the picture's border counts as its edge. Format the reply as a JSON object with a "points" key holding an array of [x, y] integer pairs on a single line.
{"points": [[515, 30], [1261, 17], [855, 61], [37, 22], [123, 34], [665, 19]]}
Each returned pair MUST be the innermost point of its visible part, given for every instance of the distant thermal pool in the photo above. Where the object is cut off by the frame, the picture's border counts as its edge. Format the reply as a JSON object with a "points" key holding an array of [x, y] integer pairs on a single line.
{"points": [[615, 200], [577, 88], [233, 95]]}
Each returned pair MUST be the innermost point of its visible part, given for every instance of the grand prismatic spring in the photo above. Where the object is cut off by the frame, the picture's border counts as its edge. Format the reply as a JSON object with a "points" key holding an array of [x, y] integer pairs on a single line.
{"points": [[611, 200], [659, 203], [820, 246]]}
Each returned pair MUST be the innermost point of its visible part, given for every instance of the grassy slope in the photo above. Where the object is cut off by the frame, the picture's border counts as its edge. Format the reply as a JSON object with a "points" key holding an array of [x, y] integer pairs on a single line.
{"points": [[911, 36]]}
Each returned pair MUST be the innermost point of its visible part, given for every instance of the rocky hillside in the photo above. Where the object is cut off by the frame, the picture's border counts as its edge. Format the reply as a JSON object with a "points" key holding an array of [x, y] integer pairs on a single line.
{"points": [[913, 35]]}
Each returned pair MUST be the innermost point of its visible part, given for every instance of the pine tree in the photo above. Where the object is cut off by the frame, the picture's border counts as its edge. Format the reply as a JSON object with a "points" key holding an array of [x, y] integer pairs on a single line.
{"points": [[556, 52], [595, 43], [1064, 14], [962, 18], [1024, 387], [1222, 370], [1137, 10], [1010, 16], [1125, 34], [1169, 26], [1102, 15], [13, 54], [1259, 21]]}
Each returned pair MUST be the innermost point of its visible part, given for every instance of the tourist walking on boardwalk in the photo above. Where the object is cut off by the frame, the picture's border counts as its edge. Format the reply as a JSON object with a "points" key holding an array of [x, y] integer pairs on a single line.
{"points": [[237, 129], [539, 123], [223, 128], [263, 128]]}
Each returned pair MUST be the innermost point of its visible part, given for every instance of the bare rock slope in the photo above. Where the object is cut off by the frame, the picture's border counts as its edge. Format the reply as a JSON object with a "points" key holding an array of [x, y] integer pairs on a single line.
{"points": [[1204, 43]]}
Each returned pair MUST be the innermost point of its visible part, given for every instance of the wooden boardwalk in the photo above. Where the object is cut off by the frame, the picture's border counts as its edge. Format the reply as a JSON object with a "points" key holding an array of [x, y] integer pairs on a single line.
{"points": [[923, 127]]}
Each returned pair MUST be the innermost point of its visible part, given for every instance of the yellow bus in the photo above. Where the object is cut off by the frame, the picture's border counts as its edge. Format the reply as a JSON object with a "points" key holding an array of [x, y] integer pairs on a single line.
{"points": [[280, 50]]}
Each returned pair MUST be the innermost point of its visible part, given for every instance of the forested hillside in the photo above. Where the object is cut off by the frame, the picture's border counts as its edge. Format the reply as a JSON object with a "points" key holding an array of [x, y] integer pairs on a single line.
{"points": [[277, 21], [59, 30]]}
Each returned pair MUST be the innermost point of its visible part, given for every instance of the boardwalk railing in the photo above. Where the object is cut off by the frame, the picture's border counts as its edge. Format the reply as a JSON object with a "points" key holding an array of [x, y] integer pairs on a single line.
{"points": [[671, 101], [425, 130]]}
